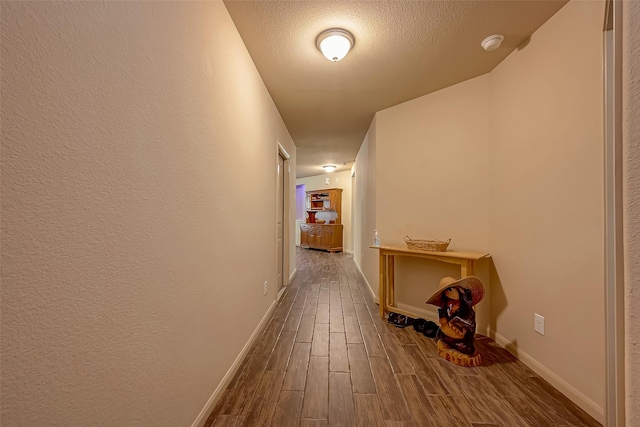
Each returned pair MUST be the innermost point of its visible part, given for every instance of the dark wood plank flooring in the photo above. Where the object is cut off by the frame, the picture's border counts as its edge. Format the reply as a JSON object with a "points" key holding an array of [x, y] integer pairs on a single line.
{"points": [[327, 359]]}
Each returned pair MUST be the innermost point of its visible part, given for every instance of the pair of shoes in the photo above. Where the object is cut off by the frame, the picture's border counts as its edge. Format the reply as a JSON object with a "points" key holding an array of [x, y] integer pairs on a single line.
{"points": [[399, 320], [419, 324], [392, 318], [403, 321], [426, 327], [430, 330]]}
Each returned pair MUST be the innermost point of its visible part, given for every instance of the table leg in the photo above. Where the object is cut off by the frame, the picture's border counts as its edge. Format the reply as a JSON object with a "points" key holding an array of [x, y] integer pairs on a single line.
{"points": [[466, 268], [382, 294], [392, 282]]}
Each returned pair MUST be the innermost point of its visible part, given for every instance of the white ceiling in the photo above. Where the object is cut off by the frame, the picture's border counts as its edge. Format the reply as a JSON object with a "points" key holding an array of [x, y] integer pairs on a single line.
{"points": [[403, 50]]}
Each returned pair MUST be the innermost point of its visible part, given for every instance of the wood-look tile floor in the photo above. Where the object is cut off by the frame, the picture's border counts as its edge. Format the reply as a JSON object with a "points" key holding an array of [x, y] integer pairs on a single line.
{"points": [[327, 359]]}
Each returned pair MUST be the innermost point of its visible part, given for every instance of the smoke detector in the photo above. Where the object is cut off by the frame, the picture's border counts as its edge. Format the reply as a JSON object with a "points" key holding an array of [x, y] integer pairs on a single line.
{"points": [[492, 42]]}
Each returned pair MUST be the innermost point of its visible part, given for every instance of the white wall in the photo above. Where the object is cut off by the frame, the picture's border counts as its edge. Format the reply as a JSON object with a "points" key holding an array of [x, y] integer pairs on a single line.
{"points": [[128, 212], [434, 184], [631, 173], [336, 180], [547, 200], [365, 208], [511, 163]]}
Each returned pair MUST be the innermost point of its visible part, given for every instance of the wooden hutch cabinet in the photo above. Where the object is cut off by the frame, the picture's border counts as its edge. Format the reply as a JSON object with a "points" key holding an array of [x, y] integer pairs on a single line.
{"points": [[323, 226]]}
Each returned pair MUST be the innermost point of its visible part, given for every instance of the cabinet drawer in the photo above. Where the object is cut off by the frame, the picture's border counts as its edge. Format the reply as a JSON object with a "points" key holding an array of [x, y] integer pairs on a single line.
{"points": [[311, 228], [321, 236]]}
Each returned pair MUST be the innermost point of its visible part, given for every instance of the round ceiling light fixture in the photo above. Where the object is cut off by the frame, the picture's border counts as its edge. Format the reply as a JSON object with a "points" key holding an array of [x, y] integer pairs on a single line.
{"points": [[492, 42], [335, 43], [329, 168]]}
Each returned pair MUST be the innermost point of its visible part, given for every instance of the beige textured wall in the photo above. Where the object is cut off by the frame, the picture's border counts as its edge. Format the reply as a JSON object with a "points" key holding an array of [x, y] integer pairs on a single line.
{"points": [[512, 163], [433, 150], [138, 146], [631, 170], [365, 207], [547, 222], [434, 183], [336, 180]]}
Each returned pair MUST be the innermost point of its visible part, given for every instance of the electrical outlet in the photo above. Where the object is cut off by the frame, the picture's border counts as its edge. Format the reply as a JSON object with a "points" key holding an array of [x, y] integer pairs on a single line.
{"points": [[266, 287], [538, 324]]}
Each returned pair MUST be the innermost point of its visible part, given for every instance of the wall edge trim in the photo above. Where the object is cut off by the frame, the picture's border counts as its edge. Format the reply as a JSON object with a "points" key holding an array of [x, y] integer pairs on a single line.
{"points": [[217, 394], [586, 404], [373, 295]]}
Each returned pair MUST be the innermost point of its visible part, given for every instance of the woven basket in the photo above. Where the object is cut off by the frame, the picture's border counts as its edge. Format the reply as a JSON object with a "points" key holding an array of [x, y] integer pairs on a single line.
{"points": [[427, 245]]}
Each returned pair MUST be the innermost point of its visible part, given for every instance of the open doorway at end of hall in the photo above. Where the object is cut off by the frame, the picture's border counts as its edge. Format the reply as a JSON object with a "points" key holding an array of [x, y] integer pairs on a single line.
{"points": [[282, 219], [300, 209]]}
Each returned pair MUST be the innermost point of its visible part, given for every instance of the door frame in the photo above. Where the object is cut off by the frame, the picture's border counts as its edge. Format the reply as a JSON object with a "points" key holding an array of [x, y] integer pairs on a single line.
{"points": [[614, 225], [286, 217]]}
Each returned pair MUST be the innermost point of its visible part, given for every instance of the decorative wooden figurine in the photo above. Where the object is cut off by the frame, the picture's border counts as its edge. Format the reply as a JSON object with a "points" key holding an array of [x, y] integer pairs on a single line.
{"points": [[456, 299]]}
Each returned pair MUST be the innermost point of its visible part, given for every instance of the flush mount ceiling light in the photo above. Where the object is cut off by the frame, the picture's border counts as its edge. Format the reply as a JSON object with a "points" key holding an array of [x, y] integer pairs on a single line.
{"points": [[329, 168], [492, 42], [335, 43]]}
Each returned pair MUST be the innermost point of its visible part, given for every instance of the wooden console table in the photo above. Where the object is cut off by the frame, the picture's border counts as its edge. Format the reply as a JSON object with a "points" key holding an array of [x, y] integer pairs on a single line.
{"points": [[387, 264]]}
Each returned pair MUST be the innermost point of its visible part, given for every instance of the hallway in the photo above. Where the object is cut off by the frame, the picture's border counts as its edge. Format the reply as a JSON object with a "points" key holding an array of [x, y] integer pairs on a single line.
{"points": [[326, 358]]}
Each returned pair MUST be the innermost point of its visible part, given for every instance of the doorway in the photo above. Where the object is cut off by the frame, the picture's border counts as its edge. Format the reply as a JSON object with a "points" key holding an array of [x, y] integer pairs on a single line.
{"points": [[614, 224], [279, 224], [300, 209], [282, 218]]}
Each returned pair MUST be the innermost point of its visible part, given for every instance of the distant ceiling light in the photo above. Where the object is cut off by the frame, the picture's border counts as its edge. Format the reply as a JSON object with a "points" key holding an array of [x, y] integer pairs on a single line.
{"points": [[492, 42], [329, 168], [335, 43]]}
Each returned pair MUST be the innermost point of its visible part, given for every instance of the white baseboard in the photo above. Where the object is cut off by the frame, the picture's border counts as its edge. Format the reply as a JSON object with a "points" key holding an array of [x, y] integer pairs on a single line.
{"points": [[280, 293], [373, 294], [217, 394], [588, 405], [348, 252], [295, 270]]}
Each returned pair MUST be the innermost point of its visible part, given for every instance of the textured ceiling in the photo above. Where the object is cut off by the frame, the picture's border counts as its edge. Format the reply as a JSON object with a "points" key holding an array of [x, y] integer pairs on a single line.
{"points": [[403, 50]]}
